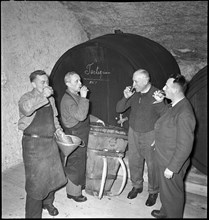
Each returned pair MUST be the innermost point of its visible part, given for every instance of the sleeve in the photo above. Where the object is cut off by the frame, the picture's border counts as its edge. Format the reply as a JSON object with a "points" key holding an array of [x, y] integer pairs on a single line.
{"points": [[184, 141], [77, 110], [56, 121], [29, 103], [161, 107], [123, 104]]}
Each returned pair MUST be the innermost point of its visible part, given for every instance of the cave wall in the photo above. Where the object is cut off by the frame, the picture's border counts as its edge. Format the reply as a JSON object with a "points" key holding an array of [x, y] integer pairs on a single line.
{"points": [[179, 26], [33, 36]]}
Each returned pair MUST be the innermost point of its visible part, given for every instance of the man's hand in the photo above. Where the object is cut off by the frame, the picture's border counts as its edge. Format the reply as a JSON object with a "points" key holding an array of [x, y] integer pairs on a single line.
{"points": [[83, 91], [168, 173], [159, 96], [100, 121], [59, 132], [127, 92], [47, 91]]}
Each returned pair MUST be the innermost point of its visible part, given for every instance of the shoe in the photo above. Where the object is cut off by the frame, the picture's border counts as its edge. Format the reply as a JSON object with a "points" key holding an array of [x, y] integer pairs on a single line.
{"points": [[51, 209], [80, 198], [157, 214], [151, 199], [133, 193]]}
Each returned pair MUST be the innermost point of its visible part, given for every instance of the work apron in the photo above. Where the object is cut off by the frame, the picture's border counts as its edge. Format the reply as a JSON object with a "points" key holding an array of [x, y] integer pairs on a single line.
{"points": [[43, 168], [75, 168]]}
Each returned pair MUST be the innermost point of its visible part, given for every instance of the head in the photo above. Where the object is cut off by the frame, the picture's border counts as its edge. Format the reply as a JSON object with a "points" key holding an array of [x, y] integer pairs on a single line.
{"points": [[39, 80], [175, 86], [73, 82], [141, 80]]}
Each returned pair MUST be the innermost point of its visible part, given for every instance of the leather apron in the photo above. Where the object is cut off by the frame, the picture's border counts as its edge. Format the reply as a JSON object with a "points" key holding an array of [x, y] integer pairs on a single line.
{"points": [[75, 168], [43, 168]]}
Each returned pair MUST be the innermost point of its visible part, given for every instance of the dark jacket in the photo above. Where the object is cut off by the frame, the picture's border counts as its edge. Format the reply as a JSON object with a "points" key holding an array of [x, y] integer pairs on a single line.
{"points": [[76, 121], [174, 135]]}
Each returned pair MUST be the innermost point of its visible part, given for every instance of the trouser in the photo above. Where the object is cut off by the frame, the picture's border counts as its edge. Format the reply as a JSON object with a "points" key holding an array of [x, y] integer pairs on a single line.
{"points": [[33, 207], [172, 193], [140, 151], [73, 189]]}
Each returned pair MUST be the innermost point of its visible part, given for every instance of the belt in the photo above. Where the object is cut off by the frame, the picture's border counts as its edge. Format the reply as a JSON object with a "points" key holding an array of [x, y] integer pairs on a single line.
{"points": [[37, 136]]}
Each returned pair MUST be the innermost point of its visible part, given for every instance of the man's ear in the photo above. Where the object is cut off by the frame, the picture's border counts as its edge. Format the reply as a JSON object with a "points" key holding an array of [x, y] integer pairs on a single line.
{"points": [[67, 84], [33, 84], [146, 81], [175, 90]]}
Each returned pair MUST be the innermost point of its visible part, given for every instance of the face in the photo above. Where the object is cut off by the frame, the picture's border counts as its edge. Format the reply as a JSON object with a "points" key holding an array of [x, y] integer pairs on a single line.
{"points": [[169, 88], [74, 83], [40, 82], [140, 82]]}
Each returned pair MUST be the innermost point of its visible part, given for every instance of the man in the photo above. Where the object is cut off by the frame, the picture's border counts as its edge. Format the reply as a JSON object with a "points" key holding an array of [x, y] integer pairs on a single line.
{"points": [[174, 135], [74, 109], [143, 115], [43, 168]]}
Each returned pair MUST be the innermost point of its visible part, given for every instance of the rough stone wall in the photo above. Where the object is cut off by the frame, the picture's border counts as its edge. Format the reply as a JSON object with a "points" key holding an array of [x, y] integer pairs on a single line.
{"points": [[179, 26], [33, 36]]}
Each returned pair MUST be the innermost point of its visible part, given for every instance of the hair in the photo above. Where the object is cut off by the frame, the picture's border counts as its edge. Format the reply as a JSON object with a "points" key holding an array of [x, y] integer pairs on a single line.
{"points": [[144, 72], [180, 81], [68, 76], [36, 73]]}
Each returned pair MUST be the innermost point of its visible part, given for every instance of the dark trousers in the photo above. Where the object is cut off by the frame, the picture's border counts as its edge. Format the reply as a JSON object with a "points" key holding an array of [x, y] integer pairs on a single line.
{"points": [[172, 193], [139, 152], [33, 207]]}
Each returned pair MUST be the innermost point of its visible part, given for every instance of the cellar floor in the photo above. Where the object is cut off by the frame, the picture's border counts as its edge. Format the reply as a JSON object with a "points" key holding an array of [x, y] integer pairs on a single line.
{"points": [[13, 201]]}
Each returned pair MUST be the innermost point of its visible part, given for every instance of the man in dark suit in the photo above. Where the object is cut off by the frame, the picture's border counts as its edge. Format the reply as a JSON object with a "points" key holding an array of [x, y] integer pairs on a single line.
{"points": [[174, 135]]}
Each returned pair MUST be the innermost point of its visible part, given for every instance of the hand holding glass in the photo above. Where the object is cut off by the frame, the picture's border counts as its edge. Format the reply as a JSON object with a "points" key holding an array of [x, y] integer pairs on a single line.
{"points": [[129, 91], [159, 96]]}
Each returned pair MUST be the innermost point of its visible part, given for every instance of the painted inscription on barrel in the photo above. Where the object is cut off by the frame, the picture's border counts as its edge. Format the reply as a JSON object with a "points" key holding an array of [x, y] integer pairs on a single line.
{"points": [[93, 74]]}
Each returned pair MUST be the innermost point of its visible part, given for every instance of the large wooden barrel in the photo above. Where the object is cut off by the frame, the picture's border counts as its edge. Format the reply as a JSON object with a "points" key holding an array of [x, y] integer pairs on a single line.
{"points": [[197, 94], [106, 65]]}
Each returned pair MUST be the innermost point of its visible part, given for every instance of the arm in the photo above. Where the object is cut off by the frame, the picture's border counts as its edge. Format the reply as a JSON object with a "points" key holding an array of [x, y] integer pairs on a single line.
{"points": [[56, 121], [30, 102], [125, 102], [184, 141], [161, 107], [159, 102], [122, 105], [74, 109], [80, 109], [95, 119]]}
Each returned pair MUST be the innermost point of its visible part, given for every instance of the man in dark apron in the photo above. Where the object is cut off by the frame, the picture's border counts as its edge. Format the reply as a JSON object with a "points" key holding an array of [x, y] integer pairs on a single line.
{"points": [[43, 169], [74, 109]]}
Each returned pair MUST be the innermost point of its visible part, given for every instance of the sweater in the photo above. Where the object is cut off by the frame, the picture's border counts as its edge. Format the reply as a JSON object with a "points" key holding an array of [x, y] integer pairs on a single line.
{"points": [[144, 113]]}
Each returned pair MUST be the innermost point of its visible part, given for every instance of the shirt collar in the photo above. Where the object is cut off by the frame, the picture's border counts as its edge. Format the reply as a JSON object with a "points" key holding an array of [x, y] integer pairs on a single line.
{"points": [[173, 104]]}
